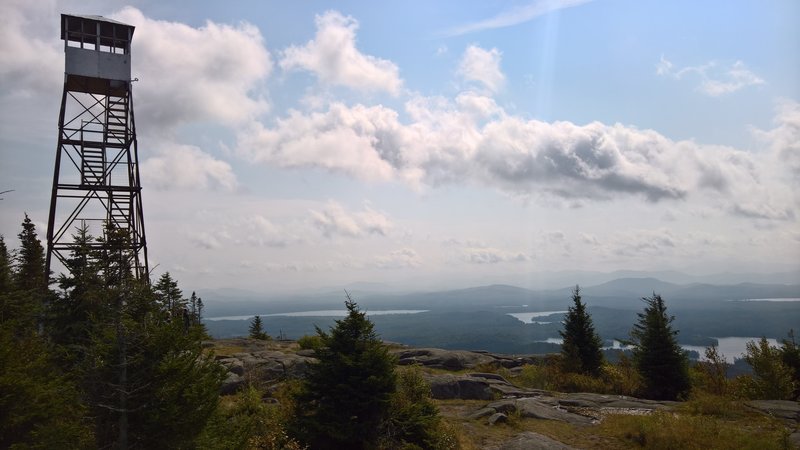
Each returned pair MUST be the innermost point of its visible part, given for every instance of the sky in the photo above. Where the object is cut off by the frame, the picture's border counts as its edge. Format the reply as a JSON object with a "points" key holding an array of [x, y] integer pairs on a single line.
{"points": [[297, 145]]}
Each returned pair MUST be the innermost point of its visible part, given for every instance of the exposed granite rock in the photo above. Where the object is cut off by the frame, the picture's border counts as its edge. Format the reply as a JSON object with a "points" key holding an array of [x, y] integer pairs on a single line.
{"points": [[534, 409], [475, 386], [231, 384], [458, 359], [496, 418], [533, 441], [461, 387], [263, 365], [576, 409], [786, 410], [589, 400]]}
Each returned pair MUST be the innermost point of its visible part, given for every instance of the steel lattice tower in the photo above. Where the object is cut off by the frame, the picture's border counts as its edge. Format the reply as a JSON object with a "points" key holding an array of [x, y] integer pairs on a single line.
{"points": [[96, 177]]}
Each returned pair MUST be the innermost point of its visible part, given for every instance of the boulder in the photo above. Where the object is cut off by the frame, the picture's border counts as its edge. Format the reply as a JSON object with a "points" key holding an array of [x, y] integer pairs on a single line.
{"points": [[234, 365], [496, 418], [445, 387], [231, 384], [535, 409], [475, 386]]}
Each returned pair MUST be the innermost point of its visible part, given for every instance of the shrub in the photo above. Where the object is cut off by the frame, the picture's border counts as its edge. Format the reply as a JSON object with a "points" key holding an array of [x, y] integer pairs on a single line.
{"points": [[309, 342], [710, 375], [414, 420], [771, 378]]}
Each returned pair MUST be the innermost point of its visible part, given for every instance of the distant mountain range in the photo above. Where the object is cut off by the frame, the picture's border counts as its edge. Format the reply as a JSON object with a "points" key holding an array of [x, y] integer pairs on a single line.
{"points": [[622, 293]]}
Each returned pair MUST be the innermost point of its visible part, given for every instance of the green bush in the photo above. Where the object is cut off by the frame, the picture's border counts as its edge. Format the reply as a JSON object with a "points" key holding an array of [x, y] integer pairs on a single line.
{"points": [[308, 342], [244, 420], [414, 420]]}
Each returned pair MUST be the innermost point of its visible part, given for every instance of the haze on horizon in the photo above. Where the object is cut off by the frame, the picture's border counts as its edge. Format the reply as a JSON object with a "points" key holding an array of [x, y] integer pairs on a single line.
{"points": [[416, 144]]}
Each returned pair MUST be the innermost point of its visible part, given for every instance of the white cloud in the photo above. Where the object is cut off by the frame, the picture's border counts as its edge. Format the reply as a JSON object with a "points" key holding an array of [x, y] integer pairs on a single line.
{"points": [[482, 66], [333, 57], [398, 259], [205, 240], [187, 167], [31, 59], [471, 140], [191, 74], [489, 255], [334, 220], [784, 140], [262, 232], [715, 80], [532, 10], [341, 139]]}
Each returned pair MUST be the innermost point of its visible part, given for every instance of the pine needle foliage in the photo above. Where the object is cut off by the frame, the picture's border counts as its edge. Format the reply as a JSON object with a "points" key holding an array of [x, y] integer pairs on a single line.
{"points": [[581, 350], [348, 393], [657, 356]]}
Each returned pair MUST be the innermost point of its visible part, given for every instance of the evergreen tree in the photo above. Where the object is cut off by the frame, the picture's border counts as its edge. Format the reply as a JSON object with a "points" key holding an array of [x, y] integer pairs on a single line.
{"points": [[5, 268], [257, 329], [6, 282], [169, 295], [347, 394], [657, 356], [145, 379], [40, 406], [581, 350], [26, 299], [29, 273], [75, 310]]}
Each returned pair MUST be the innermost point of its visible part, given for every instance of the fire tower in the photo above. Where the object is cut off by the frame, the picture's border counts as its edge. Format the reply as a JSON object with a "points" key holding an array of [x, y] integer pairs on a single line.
{"points": [[96, 177]]}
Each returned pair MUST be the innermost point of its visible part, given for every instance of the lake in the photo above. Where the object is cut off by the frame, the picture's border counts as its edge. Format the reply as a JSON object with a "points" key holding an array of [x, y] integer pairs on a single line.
{"points": [[787, 299], [729, 347], [527, 317], [322, 313]]}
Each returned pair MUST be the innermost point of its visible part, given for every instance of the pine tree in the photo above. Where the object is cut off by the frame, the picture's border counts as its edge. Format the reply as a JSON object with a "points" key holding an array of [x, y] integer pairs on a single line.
{"points": [[347, 394], [5, 268], [257, 329], [30, 286], [658, 358], [40, 406], [581, 350], [6, 282], [169, 295], [29, 274], [145, 379]]}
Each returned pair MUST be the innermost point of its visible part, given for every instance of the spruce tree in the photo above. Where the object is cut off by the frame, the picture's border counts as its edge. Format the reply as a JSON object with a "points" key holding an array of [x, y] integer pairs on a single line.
{"points": [[658, 358], [40, 406], [30, 286], [146, 381], [581, 349], [169, 295], [257, 329], [347, 394]]}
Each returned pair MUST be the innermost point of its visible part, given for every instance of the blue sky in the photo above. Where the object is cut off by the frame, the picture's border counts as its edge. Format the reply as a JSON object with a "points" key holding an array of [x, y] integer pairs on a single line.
{"points": [[430, 144]]}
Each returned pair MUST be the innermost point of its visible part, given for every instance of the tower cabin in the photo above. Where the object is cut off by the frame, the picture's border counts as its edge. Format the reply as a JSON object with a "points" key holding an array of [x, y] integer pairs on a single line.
{"points": [[97, 54]]}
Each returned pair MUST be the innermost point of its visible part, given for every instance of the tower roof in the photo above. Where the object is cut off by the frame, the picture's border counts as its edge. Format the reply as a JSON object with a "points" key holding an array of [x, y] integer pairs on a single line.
{"points": [[91, 20]]}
